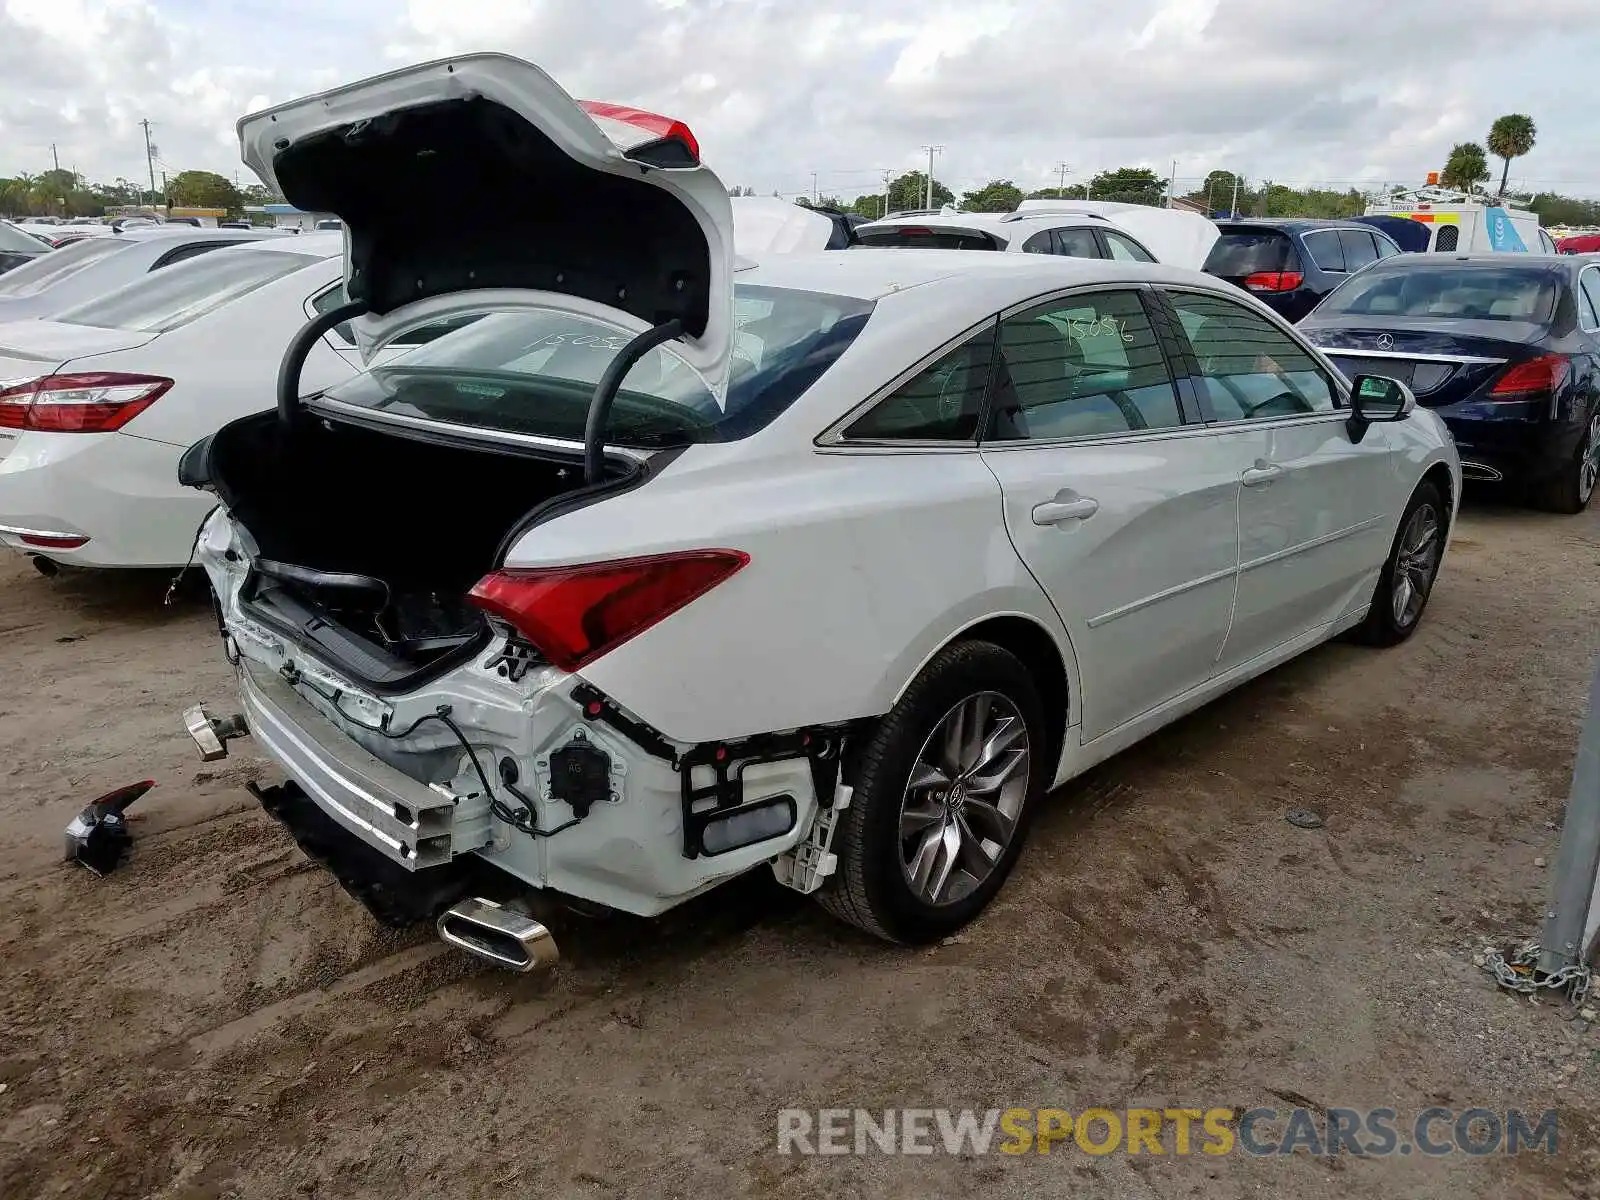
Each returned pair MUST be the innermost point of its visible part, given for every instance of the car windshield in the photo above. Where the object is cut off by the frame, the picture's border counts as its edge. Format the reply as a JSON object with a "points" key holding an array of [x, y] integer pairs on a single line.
{"points": [[14, 241], [534, 372], [1476, 293], [1240, 252], [49, 269], [181, 293]]}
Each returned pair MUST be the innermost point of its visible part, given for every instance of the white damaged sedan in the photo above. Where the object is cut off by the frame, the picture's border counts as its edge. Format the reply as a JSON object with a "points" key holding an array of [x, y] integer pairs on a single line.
{"points": [[663, 570]]}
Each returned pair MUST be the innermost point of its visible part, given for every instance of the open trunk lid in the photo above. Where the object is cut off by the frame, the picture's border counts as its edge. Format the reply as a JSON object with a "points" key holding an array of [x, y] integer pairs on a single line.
{"points": [[599, 211]]}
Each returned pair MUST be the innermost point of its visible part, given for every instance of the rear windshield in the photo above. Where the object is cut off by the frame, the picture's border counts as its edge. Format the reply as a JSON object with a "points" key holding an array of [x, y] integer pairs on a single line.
{"points": [[925, 237], [15, 241], [49, 269], [1240, 252], [185, 291], [1487, 293], [534, 372]]}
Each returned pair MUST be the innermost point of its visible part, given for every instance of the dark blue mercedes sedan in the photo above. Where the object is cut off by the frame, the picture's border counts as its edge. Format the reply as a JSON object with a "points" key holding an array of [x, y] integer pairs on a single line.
{"points": [[1505, 348]]}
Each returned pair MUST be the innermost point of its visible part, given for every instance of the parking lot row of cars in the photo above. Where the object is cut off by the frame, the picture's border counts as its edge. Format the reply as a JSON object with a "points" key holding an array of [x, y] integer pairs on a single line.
{"points": [[616, 554]]}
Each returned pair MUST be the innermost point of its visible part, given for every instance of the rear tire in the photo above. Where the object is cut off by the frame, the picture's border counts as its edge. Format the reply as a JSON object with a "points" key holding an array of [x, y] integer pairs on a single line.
{"points": [[1571, 490], [1408, 576], [943, 794]]}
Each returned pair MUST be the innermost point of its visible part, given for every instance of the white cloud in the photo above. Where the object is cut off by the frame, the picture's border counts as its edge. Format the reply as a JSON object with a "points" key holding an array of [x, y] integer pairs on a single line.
{"points": [[1361, 90]]}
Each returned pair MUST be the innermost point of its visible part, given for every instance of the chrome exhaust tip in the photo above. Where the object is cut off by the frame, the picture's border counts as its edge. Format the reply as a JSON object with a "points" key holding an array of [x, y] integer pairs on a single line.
{"points": [[503, 936], [1481, 473], [211, 735]]}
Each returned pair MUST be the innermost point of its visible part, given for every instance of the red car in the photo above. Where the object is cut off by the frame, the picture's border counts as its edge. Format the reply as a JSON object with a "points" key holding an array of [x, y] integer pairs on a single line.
{"points": [[1583, 243]]}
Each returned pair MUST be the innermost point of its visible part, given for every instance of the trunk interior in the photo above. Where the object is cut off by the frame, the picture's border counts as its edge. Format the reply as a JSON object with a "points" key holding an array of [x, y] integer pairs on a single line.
{"points": [[369, 541]]}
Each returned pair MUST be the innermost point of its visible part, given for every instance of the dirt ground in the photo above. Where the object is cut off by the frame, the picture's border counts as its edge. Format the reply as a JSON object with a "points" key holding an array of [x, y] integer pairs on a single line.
{"points": [[218, 1019]]}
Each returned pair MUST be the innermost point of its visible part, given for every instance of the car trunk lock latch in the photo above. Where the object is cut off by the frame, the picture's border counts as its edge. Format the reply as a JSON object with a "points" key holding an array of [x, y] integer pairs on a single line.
{"points": [[580, 775]]}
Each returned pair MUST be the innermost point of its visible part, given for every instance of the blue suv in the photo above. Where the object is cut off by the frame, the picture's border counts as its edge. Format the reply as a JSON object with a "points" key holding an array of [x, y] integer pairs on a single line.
{"points": [[1292, 264]]}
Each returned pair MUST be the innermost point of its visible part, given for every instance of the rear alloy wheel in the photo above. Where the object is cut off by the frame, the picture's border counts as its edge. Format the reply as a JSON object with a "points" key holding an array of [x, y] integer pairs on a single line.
{"points": [[942, 796], [1408, 576], [1570, 491]]}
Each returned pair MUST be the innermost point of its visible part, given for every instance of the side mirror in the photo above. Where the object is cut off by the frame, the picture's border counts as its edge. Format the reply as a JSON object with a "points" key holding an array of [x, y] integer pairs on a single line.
{"points": [[1375, 398]]}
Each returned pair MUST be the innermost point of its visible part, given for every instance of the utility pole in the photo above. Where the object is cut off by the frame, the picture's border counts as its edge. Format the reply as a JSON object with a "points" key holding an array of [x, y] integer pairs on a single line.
{"points": [[1061, 188], [1172, 182], [54, 156], [1233, 205], [886, 176], [932, 150], [815, 197], [149, 158]]}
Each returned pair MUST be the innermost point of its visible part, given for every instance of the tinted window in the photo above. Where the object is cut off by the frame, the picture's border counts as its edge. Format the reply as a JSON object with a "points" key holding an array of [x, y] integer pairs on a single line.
{"points": [[1586, 310], [1386, 248], [175, 296], [1077, 243], [1449, 238], [1412, 287], [534, 372], [1325, 249], [1590, 283], [1249, 368], [49, 269], [1082, 366], [942, 402], [1043, 242], [1358, 248], [922, 237], [1237, 253], [1125, 249]]}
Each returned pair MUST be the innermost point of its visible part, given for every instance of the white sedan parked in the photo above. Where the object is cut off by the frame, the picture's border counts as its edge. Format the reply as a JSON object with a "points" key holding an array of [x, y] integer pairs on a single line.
{"points": [[100, 263], [864, 553]]}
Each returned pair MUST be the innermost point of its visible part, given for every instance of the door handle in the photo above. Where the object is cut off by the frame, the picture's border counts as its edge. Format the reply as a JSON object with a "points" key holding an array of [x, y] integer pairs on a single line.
{"points": [[1067, 506], [1261, 474]]}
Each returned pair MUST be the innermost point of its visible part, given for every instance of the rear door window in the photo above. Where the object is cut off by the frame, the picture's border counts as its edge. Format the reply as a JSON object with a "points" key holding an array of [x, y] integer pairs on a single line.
{"points": [[1077, 242], [166, 299], [1325, 249], [1241, 252], [1589, 284], [1358, 248], [1386, 248], [1124, 249]]}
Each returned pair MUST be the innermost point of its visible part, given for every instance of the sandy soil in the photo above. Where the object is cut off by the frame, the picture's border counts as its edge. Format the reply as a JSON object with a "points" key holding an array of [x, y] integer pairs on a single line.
{"points": [[217, 1019]]}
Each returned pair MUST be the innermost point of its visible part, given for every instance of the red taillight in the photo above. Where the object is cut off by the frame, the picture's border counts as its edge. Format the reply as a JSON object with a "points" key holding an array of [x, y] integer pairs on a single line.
{"points": [[1537, 376], [575, 614], [92, 402], [1273, 281], [654, 123], [54, 541]]}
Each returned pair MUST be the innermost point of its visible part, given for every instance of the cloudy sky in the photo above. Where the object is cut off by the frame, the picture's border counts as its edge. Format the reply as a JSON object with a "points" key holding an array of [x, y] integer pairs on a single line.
{"points": [[1300, 91]]}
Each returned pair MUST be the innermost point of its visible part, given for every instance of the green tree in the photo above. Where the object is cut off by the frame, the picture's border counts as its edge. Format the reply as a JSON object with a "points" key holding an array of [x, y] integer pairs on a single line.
{"points": [[1216, 193], [1511, 136], [1466, 167], [996, 196], [202, 189], [911, 191], [1129, 185]]}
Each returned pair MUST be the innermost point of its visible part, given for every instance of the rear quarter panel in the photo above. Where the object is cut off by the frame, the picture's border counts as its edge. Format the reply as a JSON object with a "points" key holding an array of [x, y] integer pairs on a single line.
{"points": [[861, 567]]}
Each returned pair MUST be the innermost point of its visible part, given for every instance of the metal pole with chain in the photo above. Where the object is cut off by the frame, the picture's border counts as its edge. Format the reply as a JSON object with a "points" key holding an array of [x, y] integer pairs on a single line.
{"points": [[1561, 960]]}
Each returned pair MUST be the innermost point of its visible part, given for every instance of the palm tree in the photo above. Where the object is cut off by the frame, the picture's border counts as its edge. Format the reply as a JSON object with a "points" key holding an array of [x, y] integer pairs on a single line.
{"points": [[1511, 136], [1466, 167]]}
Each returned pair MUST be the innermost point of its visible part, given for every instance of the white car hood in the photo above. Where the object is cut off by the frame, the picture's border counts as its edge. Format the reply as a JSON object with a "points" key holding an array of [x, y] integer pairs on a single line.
{"points": [[595, 210]]}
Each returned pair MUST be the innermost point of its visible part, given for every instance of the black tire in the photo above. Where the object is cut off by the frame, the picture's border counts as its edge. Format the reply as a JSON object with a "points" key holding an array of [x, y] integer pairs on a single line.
{"points": [[1382, 626], [1570, 491], [871, 888]]}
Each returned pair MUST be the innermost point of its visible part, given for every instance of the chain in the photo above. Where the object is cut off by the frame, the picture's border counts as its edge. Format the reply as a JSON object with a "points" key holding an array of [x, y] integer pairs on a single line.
{"points": [[1520, 973]]}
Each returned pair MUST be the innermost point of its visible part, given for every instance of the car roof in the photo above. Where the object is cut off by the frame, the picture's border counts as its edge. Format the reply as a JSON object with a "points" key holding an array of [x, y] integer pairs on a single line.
{"points": [[995, 222], [1422, 262], [323, 245], [187, 232], [867, 273]]}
